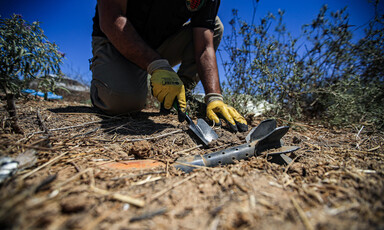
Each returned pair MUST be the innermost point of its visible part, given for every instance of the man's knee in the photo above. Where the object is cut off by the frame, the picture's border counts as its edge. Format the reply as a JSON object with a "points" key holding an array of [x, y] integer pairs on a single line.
{"points": [[114, 103], [118, 86]]}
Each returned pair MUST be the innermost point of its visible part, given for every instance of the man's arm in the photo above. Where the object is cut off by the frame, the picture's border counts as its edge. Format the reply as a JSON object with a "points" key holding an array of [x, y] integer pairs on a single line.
{"points": [[123, 35], [205, 56], [166, 85], [209, 75]]}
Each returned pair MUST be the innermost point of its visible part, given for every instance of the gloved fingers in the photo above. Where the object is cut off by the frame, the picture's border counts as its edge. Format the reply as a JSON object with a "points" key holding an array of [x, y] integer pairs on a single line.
{"points": [[226, 115], [155, 91], [216, 109], [161, 95], [235, 121], [224, 112], [181, 105], [242, 127], [240, 121], [169, 98], [213, 117], [232, 127], [182, 100], [166, 86]]}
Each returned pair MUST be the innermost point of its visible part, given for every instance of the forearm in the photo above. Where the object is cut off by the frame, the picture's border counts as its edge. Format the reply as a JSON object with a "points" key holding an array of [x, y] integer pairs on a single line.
{"points": [[124, 37], [208, 72], [206, 60]]}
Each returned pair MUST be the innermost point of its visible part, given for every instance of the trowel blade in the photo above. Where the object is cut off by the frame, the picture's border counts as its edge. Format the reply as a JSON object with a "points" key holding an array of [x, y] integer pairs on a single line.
{"points": [[206, 130], [197, 131], [202, 130]]}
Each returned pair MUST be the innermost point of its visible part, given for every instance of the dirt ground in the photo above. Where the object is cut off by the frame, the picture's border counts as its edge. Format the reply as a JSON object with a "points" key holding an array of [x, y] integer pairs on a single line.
{"points": [[335, 182]]}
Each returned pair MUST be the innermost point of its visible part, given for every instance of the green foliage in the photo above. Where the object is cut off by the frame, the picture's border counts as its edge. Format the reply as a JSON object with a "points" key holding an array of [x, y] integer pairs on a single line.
{"points": [[47, 83], [25, 53], [324, 73]]}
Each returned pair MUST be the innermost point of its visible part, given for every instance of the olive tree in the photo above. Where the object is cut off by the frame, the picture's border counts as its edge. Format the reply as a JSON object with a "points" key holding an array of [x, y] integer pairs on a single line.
{"points": [[26, 54]]}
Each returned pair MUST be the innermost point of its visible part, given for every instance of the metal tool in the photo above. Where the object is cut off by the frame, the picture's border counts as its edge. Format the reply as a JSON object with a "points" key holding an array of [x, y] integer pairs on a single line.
{"points": [[262, 138], [202, 130], [260, 131]]}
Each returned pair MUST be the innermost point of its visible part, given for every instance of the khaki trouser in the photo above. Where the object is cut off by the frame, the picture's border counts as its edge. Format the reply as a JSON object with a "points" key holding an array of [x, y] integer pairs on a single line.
{"points": [[119, 86]]}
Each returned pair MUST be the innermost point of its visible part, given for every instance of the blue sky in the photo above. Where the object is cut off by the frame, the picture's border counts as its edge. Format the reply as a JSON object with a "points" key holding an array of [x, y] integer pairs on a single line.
{"points": [[69, 23]]}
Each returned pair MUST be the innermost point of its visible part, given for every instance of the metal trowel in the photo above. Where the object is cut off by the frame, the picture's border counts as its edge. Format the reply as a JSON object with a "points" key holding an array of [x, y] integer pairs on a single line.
{"points": [[202, 130]]}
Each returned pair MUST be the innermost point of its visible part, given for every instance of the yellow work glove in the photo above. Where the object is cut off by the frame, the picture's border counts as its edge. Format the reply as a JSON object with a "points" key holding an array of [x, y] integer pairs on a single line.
{"points": [[217, 108], [166, 84]]}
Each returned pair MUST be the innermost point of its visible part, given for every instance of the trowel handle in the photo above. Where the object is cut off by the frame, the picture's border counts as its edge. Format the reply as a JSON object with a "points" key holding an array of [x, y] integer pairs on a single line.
{"points": [[180, 114]]}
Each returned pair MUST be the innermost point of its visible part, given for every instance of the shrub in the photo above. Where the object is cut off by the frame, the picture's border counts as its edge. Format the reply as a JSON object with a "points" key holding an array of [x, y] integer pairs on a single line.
{"points": [[324, 73]]}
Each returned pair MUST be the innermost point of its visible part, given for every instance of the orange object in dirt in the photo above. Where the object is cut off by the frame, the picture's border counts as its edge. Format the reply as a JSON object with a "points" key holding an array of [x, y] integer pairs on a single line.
{"points": [[134, 165]]}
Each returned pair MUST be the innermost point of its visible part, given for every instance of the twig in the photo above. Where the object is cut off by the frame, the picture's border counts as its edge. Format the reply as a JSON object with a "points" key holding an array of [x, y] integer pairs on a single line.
{"points": [[156, 137], [75, 165], [141, 139], [117, 196], [76, 126], [215, 223], [84, 134], [291, 163], [148, 215], [296, 123], [374, 149], [137, 175], [44, 165], [149, 179], [96, 114], [358, 134], [167, 170], [188, 150], [68, 127], [162, 192], [115, 128], [313, 145], [302, 215], [197, 166], [58, 186]]}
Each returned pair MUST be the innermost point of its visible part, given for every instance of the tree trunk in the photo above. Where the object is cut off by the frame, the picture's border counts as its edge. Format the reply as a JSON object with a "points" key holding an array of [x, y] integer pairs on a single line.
{"points": [[11, 108]]}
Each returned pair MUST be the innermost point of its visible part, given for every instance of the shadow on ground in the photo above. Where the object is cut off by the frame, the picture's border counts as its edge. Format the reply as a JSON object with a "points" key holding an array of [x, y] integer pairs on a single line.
{"points": [[138, 123]]}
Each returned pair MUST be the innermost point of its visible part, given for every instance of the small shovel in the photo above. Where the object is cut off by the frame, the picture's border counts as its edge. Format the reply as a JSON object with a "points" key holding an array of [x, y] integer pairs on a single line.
{"points": [[202, 130]]}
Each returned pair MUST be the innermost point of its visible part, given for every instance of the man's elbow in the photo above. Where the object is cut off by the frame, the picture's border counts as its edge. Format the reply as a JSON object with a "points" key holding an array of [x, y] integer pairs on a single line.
{"points": [[110, 27], [106, 26]]}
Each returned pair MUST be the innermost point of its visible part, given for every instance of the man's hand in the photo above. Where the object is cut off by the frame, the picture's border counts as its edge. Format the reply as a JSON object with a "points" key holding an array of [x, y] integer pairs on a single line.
{"points": [[166, 84], [217, 108]]}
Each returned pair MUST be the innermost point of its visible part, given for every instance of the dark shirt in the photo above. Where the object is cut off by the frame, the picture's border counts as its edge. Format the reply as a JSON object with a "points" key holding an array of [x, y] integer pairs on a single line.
{"points": [[156, 20]]}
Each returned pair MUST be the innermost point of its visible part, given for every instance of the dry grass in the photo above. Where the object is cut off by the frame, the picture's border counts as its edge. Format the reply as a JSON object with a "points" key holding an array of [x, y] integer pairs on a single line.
{"points": [[335, 182]]}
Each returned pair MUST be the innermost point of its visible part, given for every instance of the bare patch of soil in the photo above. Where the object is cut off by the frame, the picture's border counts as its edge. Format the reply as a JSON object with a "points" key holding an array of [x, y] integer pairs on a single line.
{"points": [[335, 182]]}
